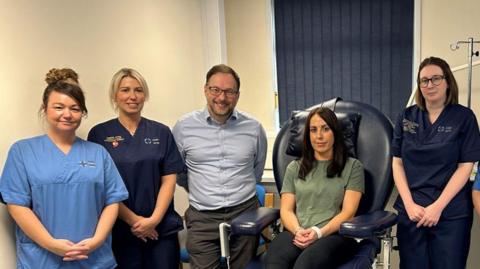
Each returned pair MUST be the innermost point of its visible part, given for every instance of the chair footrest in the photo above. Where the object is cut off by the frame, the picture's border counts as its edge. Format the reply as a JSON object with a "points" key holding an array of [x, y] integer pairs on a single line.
{"points": [[368, 225]]}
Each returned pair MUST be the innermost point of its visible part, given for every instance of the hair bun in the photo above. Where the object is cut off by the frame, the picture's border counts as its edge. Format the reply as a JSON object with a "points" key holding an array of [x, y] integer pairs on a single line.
{"points": [[64, 74]]}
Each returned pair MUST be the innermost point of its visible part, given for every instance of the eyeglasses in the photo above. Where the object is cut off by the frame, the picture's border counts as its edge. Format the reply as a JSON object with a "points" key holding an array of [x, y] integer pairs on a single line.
{"points": [[436, 80], [215, 91]]}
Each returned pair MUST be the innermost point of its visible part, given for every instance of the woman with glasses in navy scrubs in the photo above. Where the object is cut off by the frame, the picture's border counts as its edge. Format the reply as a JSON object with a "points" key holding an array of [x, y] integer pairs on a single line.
{"points": [[435, 145], [145, 236]]}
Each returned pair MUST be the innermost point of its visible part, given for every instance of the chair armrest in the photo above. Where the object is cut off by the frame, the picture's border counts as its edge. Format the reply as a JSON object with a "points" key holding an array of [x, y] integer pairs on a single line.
{"points": [[368, 225], [254, 221]]}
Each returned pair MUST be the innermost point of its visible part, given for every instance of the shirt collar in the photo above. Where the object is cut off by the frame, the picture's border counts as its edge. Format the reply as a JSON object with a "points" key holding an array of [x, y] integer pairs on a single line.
{"points": [[206, 115]]}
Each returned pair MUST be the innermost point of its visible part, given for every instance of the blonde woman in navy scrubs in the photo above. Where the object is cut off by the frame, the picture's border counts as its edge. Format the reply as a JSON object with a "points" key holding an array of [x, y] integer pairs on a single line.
{"points": [[435, 145], [145, 236]]}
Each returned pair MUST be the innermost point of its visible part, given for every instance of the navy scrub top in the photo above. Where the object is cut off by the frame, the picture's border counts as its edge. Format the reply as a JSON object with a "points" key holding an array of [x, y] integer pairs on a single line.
{"points": [[142, 159], [431, 153]]}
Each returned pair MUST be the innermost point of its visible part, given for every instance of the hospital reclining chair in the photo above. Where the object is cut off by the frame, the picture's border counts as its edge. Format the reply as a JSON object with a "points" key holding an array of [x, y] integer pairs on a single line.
{"points": [[368, 134]]}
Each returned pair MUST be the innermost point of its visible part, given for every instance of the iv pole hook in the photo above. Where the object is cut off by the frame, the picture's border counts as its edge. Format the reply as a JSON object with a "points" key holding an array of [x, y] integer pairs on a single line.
{"points": [[471, 53]]}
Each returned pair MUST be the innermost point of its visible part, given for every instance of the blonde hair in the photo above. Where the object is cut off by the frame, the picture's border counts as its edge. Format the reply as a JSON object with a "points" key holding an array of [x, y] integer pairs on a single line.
{"points": [[117, 78]]}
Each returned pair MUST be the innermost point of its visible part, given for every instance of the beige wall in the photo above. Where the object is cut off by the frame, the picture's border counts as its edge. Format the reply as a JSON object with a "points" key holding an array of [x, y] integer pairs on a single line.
{"points": [[165, 41], [441, 22], [162, 39], [249, 50], [249, 47], [444, 22]]}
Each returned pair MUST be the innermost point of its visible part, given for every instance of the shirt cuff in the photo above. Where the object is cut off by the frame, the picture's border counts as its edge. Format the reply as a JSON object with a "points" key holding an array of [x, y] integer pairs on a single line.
{"points": [[318, 231]]}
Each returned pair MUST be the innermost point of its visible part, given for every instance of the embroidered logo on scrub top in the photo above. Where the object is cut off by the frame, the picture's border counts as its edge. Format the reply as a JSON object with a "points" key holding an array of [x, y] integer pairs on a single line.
{"points": [[409, 126], [154, 141], [444, 129], [87, 164], [114, 140]]}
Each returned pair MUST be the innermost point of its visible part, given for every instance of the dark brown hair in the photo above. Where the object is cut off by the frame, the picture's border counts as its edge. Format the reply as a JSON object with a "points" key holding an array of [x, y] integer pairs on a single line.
{"points": [[308, 161], [64, 81], [221, 68], [452, 89]]}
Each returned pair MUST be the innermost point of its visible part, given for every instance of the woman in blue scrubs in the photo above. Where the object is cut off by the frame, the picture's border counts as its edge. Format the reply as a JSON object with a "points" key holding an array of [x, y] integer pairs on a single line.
{"points": [[63, 192], [476, 191], [145, 236], [435, 145]]}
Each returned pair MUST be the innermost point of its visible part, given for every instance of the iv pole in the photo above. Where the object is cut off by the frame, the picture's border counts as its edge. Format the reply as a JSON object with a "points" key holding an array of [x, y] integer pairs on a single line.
{"points": [[471, 53]]}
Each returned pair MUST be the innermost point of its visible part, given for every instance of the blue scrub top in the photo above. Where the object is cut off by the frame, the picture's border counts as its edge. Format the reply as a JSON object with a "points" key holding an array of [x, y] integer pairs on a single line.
{"points": [[67, 192], [476, 184], [142, 159], [431, 153]]}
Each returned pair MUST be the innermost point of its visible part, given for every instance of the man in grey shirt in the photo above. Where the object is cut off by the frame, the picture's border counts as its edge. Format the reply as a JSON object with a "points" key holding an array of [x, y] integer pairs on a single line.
{"points": [[224, 151]]}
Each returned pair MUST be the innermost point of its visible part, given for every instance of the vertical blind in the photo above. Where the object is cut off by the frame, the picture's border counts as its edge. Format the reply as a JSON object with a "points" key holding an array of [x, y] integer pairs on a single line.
{"points": [[360, 50]]}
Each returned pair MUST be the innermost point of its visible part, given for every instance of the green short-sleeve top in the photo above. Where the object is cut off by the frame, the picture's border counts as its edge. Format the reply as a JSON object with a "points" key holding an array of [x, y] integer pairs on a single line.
{"points": [[319, 198]]}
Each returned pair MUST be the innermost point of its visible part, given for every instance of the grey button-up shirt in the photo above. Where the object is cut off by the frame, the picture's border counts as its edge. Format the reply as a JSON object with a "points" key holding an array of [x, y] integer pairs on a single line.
{"points": [[224, 162]]}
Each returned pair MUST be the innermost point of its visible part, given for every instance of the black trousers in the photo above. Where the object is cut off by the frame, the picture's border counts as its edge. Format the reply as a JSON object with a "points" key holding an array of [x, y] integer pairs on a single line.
{"points": [[203, 239], [133, 253], [444, 246], [327, 252]]}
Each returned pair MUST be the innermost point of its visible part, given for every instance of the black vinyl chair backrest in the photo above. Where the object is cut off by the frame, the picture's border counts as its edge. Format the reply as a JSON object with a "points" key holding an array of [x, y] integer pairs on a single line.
{"points": [[373, 149]]}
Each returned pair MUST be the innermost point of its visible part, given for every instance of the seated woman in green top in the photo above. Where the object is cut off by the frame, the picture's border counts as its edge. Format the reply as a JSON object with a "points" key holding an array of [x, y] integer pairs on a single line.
{"points": [[319, 192]]}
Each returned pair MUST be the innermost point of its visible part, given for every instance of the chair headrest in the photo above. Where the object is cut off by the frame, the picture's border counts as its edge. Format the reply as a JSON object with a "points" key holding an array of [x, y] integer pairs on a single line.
{"points": [[349, 123]]}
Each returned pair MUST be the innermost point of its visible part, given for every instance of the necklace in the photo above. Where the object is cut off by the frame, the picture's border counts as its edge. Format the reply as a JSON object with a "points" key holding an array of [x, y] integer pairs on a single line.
{"points": [[129, 124]]}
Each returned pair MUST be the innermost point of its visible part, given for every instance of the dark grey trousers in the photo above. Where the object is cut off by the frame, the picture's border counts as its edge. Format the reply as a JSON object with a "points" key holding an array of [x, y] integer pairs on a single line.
{"points": [[203, 240]]}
